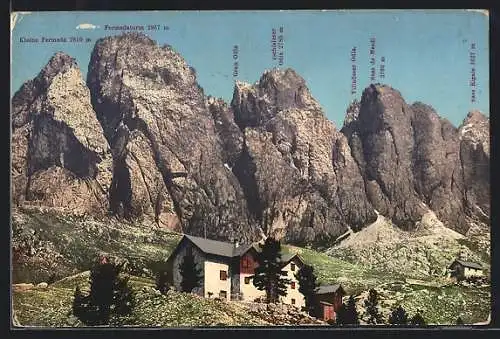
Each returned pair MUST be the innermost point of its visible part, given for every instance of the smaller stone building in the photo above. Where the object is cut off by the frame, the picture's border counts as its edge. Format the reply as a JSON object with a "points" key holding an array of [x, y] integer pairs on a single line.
{"points": [[461, 269]]}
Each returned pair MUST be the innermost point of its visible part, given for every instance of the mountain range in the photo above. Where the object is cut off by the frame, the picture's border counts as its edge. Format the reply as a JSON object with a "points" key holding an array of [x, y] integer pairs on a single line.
{"points": [[140, 140]]}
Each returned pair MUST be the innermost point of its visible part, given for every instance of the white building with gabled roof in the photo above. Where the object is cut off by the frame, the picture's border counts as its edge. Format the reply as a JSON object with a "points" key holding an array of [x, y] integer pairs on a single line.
{"points": [[226, 270]]}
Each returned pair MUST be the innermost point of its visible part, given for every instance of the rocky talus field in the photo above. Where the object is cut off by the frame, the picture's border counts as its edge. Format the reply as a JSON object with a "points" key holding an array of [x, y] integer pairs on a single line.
{"points": [[127, 160]]}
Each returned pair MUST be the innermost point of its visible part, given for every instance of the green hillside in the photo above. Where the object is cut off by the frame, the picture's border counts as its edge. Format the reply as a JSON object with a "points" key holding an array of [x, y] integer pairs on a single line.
{"points": [[51, 307], [48, 247]]}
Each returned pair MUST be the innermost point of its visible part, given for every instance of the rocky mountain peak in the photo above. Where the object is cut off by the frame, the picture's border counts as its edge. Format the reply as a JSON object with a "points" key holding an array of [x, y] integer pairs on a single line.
{"points": [[475, 130], [474, 135], [352, 112], [61, 158], [59, 62], [351, 118], [277, 90], [419, 106], [31, 90], [413, 160], [388, 100], [165, 137], [475, 116], [281, 79]]}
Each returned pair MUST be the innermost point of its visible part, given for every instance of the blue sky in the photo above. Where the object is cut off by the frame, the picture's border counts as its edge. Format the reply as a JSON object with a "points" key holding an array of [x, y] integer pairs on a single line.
{"points": [[426, 52]]}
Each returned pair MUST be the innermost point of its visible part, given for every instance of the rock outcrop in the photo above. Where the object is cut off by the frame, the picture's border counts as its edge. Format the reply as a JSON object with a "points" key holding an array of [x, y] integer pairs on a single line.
{"points": [[382, 145], [227, 130], [475, 161], [60, 157], [168, 158], [436, 166], [414, 161], [295, 167]]}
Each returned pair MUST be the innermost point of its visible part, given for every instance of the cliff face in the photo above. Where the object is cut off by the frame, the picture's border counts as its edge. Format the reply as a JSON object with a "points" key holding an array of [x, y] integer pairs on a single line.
{"points": [[413, 161], [475, 161], [60, 157], [168, 158], [140, 140], [300, 162]]}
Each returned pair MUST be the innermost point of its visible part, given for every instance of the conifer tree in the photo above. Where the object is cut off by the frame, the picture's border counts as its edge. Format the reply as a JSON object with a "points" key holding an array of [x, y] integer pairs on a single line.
{"points": [[372, 310], [341, 318], [398, 316], [347, 314], [352, 312], [109, 295], [162, 282], [269, 276], [83, 310], [190, 273], [307, 285], [459, 321], [418, 319]]}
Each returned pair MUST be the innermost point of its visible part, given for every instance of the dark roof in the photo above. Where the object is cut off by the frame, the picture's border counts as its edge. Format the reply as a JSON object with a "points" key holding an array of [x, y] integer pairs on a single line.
{"points": [[468, 264], [227, 249], [242, 249], [328, 289], [287, 257]]}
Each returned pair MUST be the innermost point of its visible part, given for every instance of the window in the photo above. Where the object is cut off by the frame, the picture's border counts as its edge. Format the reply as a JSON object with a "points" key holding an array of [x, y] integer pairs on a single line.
{"points": [[223, 275], [293, 285], [292, 267], [223, 294], [293, 301], [247, 280]]}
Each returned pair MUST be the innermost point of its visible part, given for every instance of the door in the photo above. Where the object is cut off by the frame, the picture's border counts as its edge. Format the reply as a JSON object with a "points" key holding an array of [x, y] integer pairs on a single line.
{"points": [[328, 312]]}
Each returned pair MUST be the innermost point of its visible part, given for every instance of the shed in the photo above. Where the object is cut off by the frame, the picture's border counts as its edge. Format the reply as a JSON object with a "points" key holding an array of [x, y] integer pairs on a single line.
{"points": [[328, 299]]}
